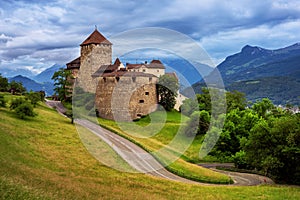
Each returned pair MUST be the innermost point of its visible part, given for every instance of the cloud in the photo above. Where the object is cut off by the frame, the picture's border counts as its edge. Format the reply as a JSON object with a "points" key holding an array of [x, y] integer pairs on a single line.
{"points": [[225, 43], [52, 30]]}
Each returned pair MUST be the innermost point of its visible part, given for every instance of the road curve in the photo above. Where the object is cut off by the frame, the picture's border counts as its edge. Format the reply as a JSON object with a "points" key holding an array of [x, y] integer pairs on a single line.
{"points": [[144, 162], [134, 155]]}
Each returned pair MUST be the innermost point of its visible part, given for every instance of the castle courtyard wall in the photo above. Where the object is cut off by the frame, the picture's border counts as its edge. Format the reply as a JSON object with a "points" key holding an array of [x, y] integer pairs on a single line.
{"points": [[125, 98]]}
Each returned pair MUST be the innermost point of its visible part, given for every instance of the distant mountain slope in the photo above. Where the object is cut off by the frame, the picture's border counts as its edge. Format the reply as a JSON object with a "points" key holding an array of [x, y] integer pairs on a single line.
{"points": [[281, 90], [191, 72], [255, 62], [259, 73], [46, 75], [30, 84]]}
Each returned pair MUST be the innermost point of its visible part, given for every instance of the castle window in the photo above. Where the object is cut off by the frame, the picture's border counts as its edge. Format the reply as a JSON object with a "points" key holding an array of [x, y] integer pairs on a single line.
{"points": [[117, 78], [133, 79], [141, 101], [139, 115], [146, 93], [144, 70], [150, 79], [104, 79]]}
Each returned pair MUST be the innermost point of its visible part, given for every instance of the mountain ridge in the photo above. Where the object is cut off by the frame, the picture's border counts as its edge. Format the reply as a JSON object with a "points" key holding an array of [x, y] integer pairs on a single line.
{"points": [[30, 84], [269, 69]]}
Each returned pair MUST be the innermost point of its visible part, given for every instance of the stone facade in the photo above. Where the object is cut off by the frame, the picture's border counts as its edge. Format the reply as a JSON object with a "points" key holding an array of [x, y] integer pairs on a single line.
{"points": [[126, 97], [92, 57], [122, 93]]}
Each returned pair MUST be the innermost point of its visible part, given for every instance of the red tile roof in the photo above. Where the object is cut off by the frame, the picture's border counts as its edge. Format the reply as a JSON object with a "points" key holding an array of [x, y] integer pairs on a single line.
{"points": [[133, 66], [95, 38], [156, 62], [74, 64], [107, 68], [117, 62]]}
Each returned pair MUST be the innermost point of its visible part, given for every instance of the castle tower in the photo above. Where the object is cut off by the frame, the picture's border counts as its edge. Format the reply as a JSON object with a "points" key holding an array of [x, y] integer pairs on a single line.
{"points": [[96, 51]]}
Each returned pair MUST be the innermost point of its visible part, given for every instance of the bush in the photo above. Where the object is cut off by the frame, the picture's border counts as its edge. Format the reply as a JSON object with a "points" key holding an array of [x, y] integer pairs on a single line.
{"points": [[34, 97], [25, 109], [16, 102], [2, 101], [239, 160]]}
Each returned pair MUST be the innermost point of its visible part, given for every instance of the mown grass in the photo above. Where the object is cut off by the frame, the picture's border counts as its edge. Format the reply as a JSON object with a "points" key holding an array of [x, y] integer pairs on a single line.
{"points": [[165, 139], [43, 158]]}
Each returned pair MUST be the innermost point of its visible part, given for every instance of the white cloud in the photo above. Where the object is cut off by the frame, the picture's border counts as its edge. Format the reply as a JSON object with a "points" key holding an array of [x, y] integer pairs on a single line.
{"points": [[225, 43]]}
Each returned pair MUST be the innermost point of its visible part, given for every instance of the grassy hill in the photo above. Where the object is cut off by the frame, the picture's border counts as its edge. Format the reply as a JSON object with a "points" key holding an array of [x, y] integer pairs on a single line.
{"points": [[43, 158]]}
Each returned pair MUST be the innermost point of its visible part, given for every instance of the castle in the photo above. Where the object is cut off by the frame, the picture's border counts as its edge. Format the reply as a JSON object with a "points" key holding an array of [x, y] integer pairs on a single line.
{"points": [[122, 93]]}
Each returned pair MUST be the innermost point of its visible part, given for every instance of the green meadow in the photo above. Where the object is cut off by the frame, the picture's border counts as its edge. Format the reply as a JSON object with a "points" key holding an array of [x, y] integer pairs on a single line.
{"points": [[44, 158]]}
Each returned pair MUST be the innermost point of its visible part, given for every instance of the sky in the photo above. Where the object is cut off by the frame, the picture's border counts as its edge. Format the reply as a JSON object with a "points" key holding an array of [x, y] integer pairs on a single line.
{"points": [[37, 34]]}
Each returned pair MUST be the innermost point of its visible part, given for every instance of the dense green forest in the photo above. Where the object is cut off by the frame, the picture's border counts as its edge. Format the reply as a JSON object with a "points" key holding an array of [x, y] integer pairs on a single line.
{"points": [[260, 137]]}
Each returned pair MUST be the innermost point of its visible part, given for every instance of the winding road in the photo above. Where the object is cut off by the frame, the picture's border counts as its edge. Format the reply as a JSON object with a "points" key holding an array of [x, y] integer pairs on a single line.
{"points": [[144, 162]]}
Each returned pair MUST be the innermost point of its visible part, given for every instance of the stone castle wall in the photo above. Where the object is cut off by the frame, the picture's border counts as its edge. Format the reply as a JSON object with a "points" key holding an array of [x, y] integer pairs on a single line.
{"points": [[92, 57], [125, 98]]}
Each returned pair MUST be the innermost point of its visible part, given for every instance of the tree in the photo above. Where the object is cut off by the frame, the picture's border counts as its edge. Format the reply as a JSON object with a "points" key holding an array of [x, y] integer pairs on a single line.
{"points": [[3, 84], [189, 106], [273, 147], [16, 87], [62, 84], [34, 97], [235, 100], [236, 128], [204, 100], [167, 88], [263, 107]]}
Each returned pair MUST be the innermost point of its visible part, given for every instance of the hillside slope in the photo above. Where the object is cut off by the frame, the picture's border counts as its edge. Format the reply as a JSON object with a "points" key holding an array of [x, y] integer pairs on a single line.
{"points": [[43, 158]]}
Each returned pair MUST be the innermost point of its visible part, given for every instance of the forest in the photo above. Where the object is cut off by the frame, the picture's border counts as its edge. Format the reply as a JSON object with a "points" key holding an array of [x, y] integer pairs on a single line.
{"points": [[258, 136]]}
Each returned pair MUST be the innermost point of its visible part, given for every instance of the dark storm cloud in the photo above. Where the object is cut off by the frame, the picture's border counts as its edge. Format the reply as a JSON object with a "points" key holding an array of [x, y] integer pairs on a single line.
{"points": [[40, 28]]}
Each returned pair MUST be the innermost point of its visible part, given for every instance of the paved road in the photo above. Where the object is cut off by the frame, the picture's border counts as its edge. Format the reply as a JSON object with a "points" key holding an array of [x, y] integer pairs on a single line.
{"points": [[144, 162], [57, 105], [244, 179], [131, 153]]}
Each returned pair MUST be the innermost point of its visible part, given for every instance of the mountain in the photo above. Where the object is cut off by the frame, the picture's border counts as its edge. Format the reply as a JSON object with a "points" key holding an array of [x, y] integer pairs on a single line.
{"points": [[45, 76], [17, 71], [192, 72], [30, 84], [260, 72], [257, 62]]}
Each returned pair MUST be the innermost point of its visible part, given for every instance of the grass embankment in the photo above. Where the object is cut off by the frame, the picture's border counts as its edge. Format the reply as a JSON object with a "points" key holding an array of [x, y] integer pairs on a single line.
{"points": [[43, 158], [165, 139]]}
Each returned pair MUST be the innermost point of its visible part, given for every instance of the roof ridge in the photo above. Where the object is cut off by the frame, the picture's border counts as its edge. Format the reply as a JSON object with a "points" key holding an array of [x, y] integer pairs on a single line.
{"points": [[95, 38]]}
